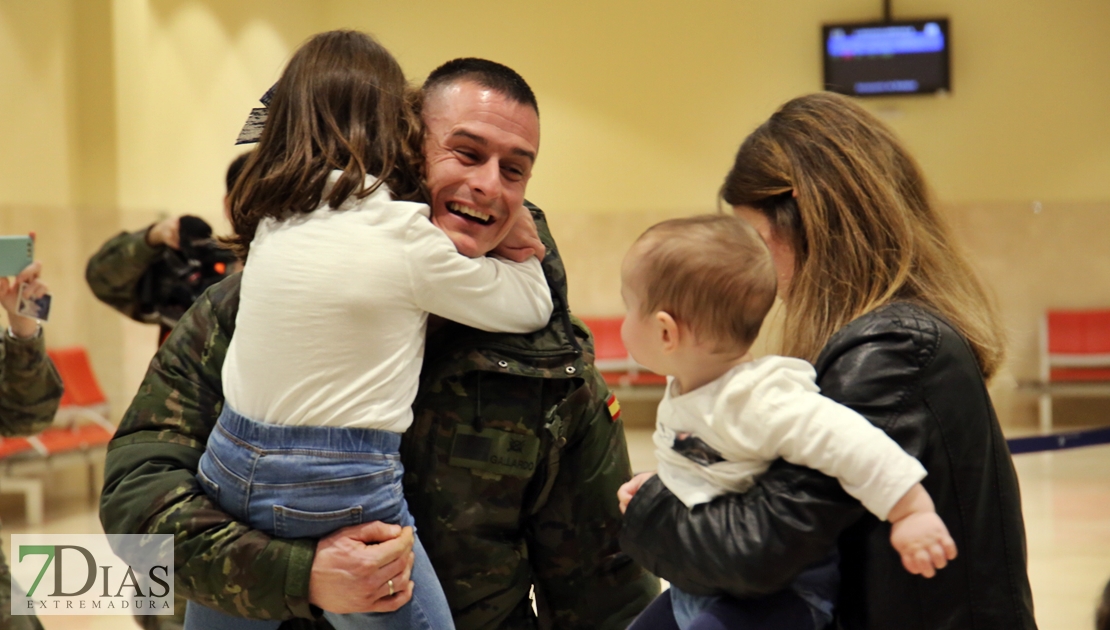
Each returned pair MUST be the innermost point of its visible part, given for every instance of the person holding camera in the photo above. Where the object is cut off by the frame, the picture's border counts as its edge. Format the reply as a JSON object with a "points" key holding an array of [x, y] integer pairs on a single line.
{"points": [[30, 390], [155, 274]]}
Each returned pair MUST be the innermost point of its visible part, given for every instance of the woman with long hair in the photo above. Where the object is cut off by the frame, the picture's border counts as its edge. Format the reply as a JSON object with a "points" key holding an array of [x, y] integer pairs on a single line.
{"points": [[899, 328]]}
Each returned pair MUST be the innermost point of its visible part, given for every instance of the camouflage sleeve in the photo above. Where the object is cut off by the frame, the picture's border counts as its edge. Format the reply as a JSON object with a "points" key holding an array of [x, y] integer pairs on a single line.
{"points": [[150, 487], [583, 578], [30, 388], [114, 271]]}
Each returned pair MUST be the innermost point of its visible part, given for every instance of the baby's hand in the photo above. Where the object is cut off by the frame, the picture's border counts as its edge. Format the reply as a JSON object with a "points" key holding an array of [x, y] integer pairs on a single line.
{"points": [[629, 488], [923, 542]]}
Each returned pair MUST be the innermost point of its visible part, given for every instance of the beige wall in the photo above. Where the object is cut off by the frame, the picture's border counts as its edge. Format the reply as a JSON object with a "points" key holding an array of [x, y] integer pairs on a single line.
{"points": [[645, 101], [188, 74], [1054, 255], [47, 185], [34, 128], [117, 111]]}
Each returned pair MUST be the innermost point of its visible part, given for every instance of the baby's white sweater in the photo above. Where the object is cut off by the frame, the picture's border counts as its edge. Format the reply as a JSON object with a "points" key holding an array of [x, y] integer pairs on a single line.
{"points": [[334, 305], [770, 408]]}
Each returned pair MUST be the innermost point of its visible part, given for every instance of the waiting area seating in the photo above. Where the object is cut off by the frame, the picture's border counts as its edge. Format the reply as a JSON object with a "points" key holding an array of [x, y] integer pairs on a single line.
{"points": [[628, 379], [1075, 357], [80, 433]]}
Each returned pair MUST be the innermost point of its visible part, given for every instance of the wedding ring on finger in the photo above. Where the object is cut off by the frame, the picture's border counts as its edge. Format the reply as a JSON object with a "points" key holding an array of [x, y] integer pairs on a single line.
{"points": [[390, 587]]}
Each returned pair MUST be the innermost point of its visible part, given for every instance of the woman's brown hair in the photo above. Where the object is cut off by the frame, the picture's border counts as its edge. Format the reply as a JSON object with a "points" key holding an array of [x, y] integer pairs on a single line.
{"points": [[836, 184], [342, 104]]}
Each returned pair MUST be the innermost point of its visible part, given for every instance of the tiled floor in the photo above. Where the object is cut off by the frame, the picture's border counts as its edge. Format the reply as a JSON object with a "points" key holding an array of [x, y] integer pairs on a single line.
{"points": [[1066, 497], [1066, 501]]}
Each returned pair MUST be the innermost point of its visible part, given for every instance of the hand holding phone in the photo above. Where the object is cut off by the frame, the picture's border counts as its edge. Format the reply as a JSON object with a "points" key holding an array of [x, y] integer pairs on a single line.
{"points": [[25, 288]]}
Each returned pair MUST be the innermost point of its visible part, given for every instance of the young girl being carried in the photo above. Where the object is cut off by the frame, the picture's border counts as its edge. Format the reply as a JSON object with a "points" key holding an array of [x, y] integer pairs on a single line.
{"points": [[344, 267]]}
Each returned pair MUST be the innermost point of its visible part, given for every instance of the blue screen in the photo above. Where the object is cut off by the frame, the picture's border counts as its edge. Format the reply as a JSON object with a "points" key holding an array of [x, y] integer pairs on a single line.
{"points": [[885, 40]]}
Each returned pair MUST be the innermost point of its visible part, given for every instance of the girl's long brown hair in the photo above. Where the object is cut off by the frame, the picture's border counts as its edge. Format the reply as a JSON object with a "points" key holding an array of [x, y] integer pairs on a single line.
{"points": [[343, 104], [838, 186]]}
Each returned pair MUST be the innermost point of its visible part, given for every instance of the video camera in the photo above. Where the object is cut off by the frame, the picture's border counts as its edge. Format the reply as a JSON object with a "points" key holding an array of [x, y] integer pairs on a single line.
{"points": [[170, 286]]}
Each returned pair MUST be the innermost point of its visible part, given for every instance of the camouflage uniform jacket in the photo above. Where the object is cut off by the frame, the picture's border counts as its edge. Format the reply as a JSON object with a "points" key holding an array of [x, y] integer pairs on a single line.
{"points": [[114, 271], [30, 390], [512, 467]]}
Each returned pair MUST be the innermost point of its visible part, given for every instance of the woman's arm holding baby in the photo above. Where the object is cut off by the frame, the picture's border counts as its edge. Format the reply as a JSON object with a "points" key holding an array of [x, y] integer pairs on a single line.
{"points": [[755, 543], [796, 423], [747, 545]]}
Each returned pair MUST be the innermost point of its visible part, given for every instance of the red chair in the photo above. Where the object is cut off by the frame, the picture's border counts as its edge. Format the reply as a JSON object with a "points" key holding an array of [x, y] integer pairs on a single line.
{"points": [[83, 410], [11, 447], [1075, 357], [80, 433], [617, 367], [80, 437], [83, 398]]}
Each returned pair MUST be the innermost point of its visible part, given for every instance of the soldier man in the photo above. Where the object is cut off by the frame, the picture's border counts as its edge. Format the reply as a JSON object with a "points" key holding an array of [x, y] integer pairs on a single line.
{"points": [[512, 462], [30, 390]]}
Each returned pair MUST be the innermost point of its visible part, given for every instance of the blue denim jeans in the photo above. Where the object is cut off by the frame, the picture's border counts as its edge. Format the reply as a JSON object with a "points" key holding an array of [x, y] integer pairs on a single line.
{"points": [[306, 482], [816, 587]]}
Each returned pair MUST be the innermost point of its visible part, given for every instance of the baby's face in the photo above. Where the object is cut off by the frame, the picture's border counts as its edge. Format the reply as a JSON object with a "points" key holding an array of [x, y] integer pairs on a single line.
{"points": [[639, 332]]}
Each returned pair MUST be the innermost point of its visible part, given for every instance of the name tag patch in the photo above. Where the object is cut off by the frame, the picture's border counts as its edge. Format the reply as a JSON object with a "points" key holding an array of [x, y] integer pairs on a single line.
{"points": [[495, 451]]}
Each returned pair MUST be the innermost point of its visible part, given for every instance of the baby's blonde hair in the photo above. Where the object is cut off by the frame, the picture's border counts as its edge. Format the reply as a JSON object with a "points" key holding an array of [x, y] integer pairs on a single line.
{"points": [[712, 273]]}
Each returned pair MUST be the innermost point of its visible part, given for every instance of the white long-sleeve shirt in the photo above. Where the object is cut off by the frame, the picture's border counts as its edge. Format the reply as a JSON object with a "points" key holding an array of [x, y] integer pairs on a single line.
{"points": [[770, 408], [334, 305]]}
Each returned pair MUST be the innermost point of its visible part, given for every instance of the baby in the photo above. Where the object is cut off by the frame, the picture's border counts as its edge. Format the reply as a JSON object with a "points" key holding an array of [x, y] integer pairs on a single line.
{"points": [[696, 291]]}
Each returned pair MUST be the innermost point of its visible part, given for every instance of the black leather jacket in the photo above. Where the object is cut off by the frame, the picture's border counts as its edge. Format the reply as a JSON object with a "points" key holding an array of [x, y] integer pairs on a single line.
{"points": [[912, 375]]}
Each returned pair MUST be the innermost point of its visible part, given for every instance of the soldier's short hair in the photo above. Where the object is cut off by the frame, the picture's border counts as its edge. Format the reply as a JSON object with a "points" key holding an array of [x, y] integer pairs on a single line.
{"points": [[486, 73], [711, 273]]}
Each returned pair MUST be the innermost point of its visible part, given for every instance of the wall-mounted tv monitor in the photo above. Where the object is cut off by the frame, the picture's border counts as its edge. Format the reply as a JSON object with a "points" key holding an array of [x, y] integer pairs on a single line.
{"points": [[885, 58]]}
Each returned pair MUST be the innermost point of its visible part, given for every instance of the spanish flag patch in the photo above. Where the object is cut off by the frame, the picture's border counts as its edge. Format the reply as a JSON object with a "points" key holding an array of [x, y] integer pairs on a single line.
{"points": [[614, 407]]}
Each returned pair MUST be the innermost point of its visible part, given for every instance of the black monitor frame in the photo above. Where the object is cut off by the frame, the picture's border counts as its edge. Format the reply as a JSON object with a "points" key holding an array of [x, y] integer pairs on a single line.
{"points": [[946, 86]]}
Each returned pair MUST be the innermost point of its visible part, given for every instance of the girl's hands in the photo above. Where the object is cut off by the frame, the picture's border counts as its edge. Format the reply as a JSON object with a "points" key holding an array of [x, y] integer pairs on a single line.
{"points": [[523, 240]]}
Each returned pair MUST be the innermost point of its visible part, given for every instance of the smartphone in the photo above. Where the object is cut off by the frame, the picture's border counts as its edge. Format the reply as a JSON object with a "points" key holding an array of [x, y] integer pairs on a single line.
{"points": [[16, 253], [37, 308]]}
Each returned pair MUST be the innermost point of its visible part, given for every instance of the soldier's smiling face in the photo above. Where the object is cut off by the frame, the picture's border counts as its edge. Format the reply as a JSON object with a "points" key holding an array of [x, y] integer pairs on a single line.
{"points": [[479, 149]]}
